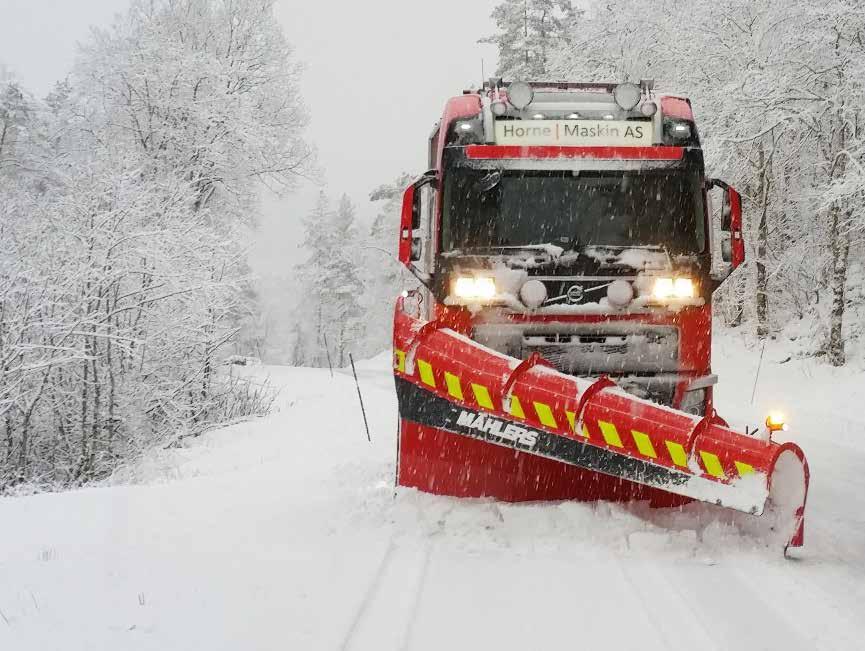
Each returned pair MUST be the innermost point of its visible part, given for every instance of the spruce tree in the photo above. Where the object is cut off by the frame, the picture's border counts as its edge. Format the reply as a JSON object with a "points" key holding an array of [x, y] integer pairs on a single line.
{"points": [[528, 31], [332, 310]]}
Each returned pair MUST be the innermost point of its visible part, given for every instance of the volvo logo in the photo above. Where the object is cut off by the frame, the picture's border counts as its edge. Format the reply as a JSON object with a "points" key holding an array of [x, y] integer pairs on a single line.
{"points": [[575, 294]]}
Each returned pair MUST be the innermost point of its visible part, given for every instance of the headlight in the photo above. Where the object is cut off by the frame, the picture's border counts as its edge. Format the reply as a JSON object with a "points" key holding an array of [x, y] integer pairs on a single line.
{"points": [[683, 288], [479, 288], [665, 289]]}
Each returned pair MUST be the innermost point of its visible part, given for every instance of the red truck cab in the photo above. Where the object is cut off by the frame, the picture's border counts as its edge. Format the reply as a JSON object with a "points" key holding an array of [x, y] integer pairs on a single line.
{"points": [[573, 220]]}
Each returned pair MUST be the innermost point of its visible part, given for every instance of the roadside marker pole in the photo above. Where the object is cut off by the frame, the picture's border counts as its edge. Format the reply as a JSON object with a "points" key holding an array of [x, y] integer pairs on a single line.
{"points": [[327, 350], [360, 398]]}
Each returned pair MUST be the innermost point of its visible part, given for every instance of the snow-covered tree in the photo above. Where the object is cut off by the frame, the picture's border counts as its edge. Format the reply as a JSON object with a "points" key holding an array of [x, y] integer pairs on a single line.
{"points": [[15, 119], [776, 88], [385, 276], [331, 286], [824, 92], [528, 31], [125, 199], [205, 87]]}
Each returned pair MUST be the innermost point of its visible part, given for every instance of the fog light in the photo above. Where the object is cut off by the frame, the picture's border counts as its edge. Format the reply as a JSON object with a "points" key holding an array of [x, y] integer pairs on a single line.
{"points": [[620, 293], [533, 293]]}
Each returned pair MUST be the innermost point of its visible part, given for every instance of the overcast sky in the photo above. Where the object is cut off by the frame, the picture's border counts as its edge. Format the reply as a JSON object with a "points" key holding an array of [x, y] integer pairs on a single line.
{"points": [[377, 75]]}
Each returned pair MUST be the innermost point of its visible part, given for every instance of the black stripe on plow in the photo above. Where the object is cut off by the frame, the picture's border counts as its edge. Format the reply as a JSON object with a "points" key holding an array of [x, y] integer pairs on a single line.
{"points": [[426, 408]]}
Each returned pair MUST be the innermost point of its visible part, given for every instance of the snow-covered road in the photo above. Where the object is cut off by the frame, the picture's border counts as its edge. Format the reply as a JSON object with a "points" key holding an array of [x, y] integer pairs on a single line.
{"points": [[285, 534]]}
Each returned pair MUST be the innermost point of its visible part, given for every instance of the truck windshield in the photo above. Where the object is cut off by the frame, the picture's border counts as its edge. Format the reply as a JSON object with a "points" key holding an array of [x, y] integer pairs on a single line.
{"points": [[486, 208]]}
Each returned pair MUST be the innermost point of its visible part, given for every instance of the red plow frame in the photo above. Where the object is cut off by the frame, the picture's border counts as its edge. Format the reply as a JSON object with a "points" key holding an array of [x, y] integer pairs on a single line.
{"points": [[476, 423]]}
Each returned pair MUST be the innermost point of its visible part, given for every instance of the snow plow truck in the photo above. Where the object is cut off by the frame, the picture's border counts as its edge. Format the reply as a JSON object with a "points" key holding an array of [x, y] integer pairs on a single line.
{"points": [[559, 346]]}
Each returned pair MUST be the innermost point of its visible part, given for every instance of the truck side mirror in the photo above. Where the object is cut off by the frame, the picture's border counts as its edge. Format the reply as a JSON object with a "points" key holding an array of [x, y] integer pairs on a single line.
{"points": [[410, 247], [726, 250], [406, 225], [726, 213], [731, 221], [732, 244]]}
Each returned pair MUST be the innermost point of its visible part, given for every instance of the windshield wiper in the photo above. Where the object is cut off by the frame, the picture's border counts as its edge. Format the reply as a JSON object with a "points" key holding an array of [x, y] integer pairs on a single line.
{"points": [[554, 250], [535, 256]]}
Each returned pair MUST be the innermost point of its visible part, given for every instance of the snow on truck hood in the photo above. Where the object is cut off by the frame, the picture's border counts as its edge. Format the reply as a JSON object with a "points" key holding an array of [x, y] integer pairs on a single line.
{"points": [[536, 256]]}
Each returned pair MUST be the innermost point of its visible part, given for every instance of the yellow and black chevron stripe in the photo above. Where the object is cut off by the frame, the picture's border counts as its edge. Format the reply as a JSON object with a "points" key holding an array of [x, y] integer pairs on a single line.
{"points": [[649, 446]]}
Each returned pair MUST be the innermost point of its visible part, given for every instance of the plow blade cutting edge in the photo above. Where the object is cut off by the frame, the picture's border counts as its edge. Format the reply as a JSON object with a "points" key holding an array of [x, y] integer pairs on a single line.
{"points": [[476, 423]]}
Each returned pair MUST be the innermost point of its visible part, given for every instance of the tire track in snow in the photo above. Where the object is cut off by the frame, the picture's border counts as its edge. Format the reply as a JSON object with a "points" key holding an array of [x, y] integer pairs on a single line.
{"points": [[401, 573], [405, 645], [807, 598], [662, 608], [730, 608], [369, 594]]}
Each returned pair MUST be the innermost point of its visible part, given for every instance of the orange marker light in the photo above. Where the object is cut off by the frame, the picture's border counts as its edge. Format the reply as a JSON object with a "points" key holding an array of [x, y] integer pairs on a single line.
{"points": [[775, 422]]}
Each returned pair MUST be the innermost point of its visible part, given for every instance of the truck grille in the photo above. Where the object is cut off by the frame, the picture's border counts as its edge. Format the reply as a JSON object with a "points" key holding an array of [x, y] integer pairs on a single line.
{"points": [[643, 359], [595, 352], [588, 290]]}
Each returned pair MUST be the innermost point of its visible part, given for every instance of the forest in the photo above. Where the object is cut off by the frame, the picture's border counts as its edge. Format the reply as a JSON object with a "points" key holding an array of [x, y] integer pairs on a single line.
{"points": [[126, 196]]}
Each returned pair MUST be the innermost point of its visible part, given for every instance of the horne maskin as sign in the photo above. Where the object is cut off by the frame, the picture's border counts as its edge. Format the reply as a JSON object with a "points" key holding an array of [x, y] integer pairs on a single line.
{"points": [[574, 133]]}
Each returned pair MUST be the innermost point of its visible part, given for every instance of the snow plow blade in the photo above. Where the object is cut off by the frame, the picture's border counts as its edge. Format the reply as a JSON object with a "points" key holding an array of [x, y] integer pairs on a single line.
{"points": [[476, 423]]}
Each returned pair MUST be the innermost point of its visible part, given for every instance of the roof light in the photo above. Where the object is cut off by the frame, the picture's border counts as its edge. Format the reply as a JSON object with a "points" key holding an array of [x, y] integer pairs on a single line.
{"points": [[609, 116], [649, 109], [679, 129], [627, 95], [520, 94], [574, 116], [499, 108], [538, 116]]}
